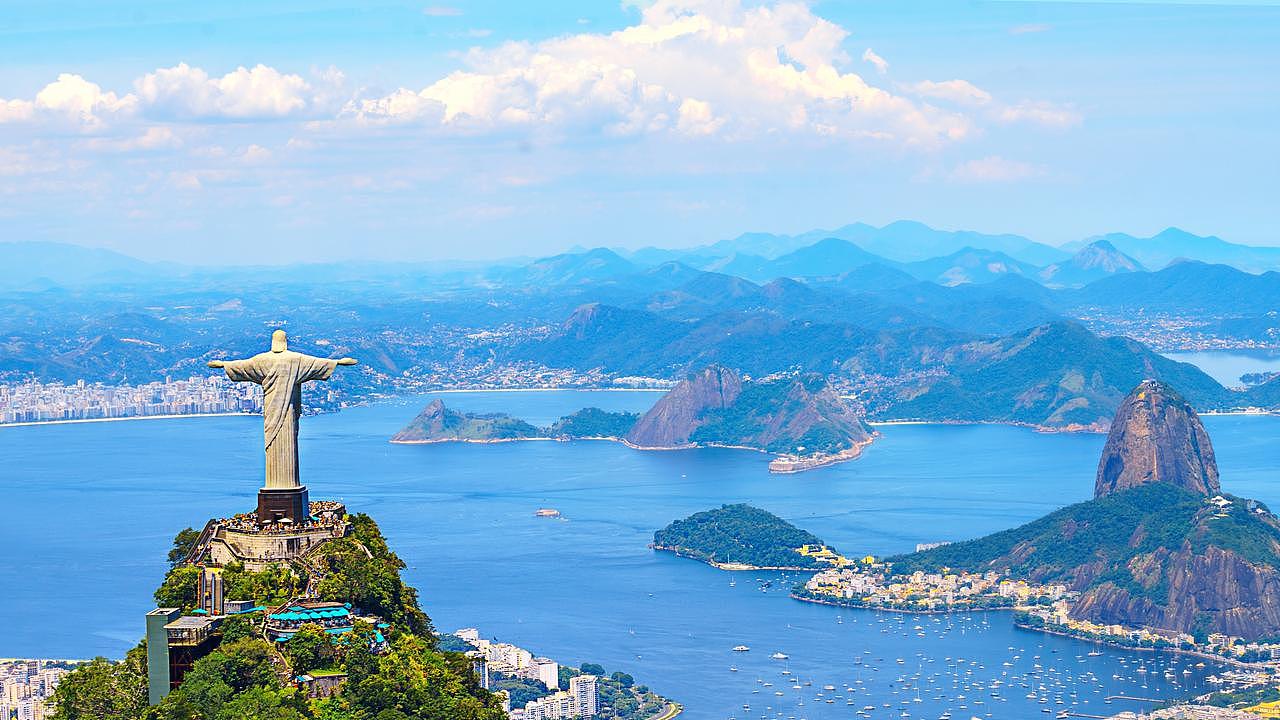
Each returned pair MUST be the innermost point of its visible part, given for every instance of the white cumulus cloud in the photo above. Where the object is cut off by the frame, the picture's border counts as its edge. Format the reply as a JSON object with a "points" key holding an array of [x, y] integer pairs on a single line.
{"points": [[245, 93], [882, 65], [724, 69], [762, 69], [69, 98]]}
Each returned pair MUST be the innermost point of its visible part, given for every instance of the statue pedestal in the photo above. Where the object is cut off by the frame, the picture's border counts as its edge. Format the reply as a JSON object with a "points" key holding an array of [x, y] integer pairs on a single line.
{"points": [[276, 504]]}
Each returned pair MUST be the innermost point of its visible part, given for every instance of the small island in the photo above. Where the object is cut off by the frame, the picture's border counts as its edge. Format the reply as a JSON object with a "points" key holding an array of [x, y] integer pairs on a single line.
{"points": [[798, 418], [742, 537], [437, 423]]}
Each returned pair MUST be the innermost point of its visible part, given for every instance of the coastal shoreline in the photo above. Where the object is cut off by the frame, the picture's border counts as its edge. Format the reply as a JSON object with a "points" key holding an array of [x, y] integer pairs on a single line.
{"points": [[540, 389], [494, 441], [784, 465], [729, 567], [1046, 429], [779, 464], [1137, 648], [1031, 628], [79, 421], [905, 611]]}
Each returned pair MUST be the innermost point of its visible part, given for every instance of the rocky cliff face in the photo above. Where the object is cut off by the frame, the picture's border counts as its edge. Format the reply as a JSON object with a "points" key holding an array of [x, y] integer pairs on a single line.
{"points": [[430, 423], [1159, 546], [797, 417], [437, 423], [1156, 437], [674, 418], [805, 417], [1215, 590]]}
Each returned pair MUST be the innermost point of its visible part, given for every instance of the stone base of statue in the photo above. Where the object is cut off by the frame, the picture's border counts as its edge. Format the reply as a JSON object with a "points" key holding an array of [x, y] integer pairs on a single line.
{"points": [[283, 505]]}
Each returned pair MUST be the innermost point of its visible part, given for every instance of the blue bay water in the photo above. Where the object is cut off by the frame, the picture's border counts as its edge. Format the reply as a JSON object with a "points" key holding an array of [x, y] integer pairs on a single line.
{"points": [[90, 510], [1227, 367]]}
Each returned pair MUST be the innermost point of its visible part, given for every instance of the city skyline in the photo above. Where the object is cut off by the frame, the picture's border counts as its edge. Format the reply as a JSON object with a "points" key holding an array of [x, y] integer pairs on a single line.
{"points": [[466, 130]]}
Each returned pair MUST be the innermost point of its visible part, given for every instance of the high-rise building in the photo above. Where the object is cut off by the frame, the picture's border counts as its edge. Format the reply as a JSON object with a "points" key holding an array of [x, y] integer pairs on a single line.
{"points": [[548, 672], [582, 688]]}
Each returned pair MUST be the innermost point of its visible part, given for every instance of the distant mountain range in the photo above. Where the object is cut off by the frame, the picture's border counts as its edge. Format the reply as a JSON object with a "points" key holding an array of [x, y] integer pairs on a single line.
{"points": [[917, 322], [1173, 244], [943, 256], [1057, 376]]}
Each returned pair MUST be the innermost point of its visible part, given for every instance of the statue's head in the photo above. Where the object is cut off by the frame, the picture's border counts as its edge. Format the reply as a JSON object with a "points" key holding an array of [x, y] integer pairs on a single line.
{"points": [[279, 341]]}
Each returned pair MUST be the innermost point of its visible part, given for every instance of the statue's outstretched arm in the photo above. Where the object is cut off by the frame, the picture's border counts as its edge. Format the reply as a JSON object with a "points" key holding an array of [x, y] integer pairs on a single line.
{"points": [[347, 361], [217, 364]]}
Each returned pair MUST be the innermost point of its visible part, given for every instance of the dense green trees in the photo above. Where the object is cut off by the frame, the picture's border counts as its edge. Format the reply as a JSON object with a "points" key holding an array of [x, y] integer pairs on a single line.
{"points": [[370, 580], [245, 678], [179, 588], [594, 423], [1116, 528], [738, 534], [519, 690], [309, 649], [414, 680], [102, 689], [272, 586], [182, 545], [235, 682]]}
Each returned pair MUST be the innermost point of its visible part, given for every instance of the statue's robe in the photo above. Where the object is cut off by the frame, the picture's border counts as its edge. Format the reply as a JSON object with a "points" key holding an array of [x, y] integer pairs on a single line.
{"points": [[281, 375]]}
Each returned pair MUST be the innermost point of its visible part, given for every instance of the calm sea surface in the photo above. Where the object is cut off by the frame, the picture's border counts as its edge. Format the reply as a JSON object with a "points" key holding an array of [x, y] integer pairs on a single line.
{"points": [[90, 510], [1227, 367]]}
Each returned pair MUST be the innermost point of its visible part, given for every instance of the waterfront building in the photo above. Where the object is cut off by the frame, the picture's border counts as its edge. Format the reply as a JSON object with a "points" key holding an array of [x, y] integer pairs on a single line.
{"points": [[547, 672], [46, 402], [583, 690], [26, 687], [579, 701]]}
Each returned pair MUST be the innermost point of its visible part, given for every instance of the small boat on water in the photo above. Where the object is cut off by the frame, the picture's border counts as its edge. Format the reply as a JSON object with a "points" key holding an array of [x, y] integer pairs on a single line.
{"points": [[741, 648], [778, 656]]}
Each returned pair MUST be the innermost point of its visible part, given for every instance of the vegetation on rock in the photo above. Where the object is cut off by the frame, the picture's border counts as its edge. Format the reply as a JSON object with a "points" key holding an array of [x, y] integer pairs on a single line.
{"points": [[245, 678], [739, 534]]}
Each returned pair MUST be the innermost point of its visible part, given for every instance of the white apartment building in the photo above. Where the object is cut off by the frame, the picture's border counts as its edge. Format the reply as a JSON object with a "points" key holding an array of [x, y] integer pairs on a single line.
{"points": [[583, 690], [580, 701], [548, 672]]}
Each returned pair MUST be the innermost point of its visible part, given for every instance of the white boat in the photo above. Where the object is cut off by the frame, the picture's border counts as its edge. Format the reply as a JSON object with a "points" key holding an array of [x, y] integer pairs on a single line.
{"points": [[741, 648], [778, 656]]}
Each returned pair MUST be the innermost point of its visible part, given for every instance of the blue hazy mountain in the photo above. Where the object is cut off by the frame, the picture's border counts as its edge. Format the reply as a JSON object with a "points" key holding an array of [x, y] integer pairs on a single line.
{"points": [[1058, 375], [1185, 287], [1094, 261], [1173, 244], [36, 265], [902, 241], [875, 277], [824, 258], [639, 342], [969, 265], [570, 268]]}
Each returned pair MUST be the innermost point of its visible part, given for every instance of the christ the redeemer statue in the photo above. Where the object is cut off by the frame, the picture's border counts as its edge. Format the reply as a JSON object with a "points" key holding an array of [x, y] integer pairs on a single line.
{"points": [[281, 373]]}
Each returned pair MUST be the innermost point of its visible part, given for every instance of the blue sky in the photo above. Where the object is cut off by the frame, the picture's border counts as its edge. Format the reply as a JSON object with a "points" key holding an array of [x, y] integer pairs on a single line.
{"points": [[270, 132]]}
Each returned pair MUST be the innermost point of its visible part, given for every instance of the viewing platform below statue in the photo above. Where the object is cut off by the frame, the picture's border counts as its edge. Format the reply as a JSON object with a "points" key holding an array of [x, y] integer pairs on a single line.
{"points": [[257, 545]]}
